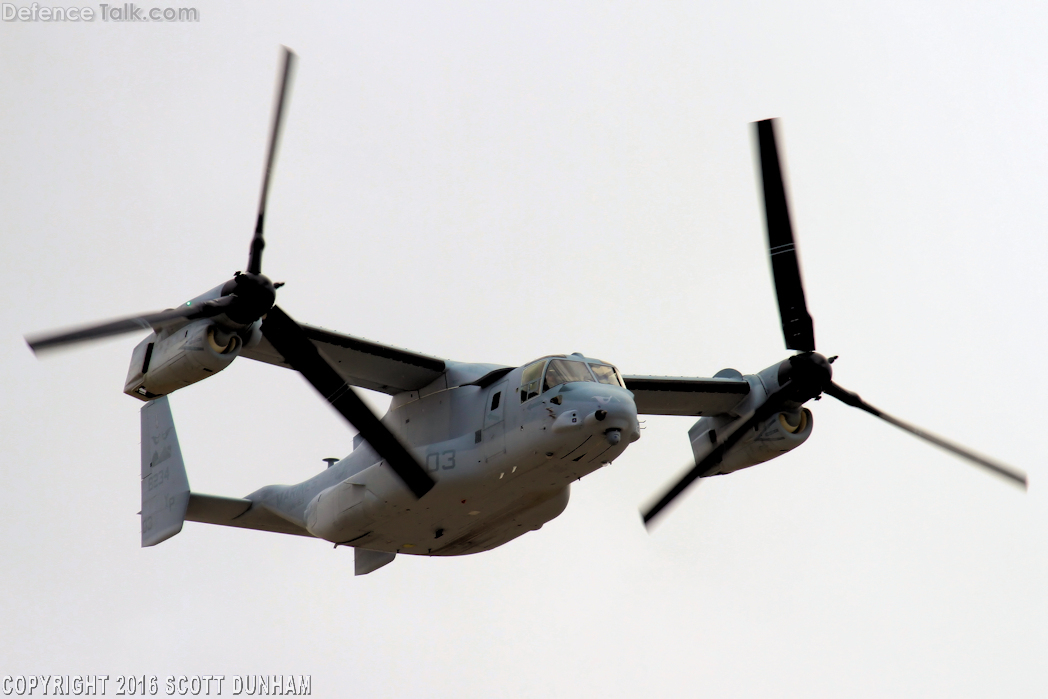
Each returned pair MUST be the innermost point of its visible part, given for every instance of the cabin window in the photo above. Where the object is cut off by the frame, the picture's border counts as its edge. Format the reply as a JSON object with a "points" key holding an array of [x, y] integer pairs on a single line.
{"points": [[495, 400], [530, 379], [564, 371]]}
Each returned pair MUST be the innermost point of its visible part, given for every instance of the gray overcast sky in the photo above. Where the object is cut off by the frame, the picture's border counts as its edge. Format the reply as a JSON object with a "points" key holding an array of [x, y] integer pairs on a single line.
{"points": [[492, 182]]}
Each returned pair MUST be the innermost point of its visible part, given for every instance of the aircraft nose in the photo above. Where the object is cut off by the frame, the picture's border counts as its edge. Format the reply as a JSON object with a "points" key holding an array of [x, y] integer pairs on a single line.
{"points": [[602, 408]]}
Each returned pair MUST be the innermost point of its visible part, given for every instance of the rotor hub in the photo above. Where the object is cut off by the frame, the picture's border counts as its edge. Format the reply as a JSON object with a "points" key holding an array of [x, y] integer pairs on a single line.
{"points": [[255, 295], [807, 374]]}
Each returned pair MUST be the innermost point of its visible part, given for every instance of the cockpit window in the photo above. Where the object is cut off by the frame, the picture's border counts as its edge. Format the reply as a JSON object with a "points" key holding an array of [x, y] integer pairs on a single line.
{"points": [[530, 380], [563, 371], [606, 374]]}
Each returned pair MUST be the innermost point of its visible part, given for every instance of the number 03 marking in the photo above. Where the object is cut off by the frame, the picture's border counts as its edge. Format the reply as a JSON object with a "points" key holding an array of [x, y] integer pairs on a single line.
{"points": [[444, 460]]}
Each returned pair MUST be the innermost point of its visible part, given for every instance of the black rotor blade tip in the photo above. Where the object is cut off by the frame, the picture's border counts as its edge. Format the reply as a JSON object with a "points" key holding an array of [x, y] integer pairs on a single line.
{"points": [[854, 400], [797, 327], [254, 263]]}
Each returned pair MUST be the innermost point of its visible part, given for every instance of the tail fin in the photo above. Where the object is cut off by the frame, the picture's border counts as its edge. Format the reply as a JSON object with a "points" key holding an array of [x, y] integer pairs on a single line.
{"points": [[366, 561], [165, 487]]}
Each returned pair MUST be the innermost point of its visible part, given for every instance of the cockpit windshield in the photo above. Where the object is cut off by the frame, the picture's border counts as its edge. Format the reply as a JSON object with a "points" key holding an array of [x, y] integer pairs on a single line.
{"points": [[564, 371], [560, 371], [606, 374]]}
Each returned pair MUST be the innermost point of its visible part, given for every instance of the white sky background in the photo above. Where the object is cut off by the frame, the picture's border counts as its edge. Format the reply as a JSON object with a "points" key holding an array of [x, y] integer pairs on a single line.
{"points": [[492, 183]]}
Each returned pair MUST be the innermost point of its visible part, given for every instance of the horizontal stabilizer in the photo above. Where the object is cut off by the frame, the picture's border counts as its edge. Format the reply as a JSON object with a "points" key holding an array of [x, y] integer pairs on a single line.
{"points": [[215, 509], [166, 500], [238, 512]]}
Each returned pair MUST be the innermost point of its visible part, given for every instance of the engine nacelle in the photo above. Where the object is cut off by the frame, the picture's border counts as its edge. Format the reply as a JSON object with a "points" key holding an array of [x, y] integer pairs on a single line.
{"points": [[779, 434], [182, 356], [346, 510]]}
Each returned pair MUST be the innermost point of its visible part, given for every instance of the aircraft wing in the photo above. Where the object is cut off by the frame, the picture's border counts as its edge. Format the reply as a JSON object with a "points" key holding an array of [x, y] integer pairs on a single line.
{"points": [[362, 362], [686, 395]]}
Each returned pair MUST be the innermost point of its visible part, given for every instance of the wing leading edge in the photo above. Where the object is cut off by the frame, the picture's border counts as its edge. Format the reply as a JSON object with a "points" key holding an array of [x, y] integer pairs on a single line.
{"points": [[686, 395], [362, 362], [393, 370]]}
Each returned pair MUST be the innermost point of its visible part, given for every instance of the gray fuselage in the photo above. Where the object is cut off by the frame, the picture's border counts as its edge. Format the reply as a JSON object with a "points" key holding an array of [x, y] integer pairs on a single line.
{"points": [[503, 451]]}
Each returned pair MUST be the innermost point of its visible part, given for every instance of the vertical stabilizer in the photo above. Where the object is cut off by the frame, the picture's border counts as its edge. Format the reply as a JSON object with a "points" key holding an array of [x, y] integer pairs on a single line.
{"points": [[165, 487], [366, 561]]}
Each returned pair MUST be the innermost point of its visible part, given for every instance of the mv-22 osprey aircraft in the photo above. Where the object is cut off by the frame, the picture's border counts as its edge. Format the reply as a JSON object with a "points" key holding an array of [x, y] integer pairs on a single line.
{"points": [[469, 456]]}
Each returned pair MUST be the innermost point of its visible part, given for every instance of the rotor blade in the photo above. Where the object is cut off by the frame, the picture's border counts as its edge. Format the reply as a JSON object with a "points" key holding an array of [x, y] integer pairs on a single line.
{"points": [[679, 487], [704, 468], [254, 261], [148, 321], [853, 399], [797, 326], [291, 341]]}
